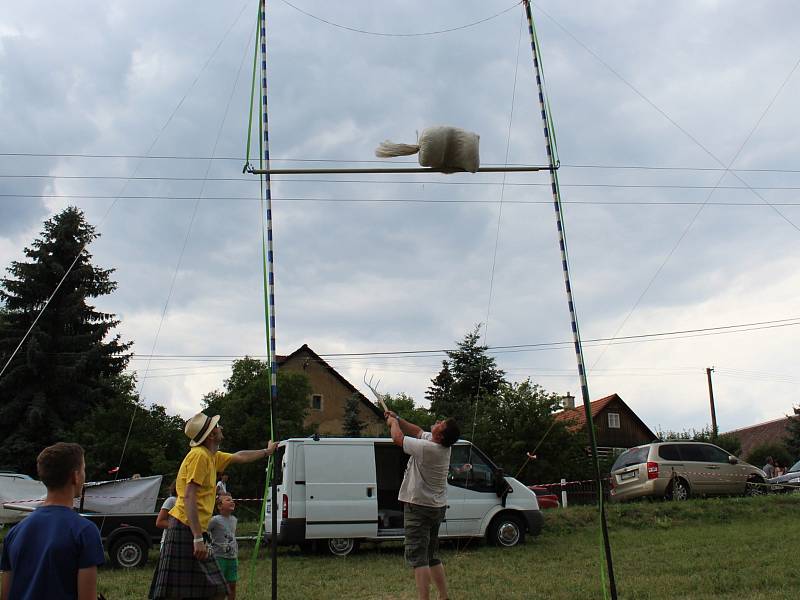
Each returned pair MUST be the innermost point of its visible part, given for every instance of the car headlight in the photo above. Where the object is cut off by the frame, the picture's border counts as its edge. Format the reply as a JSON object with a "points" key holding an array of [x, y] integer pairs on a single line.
{"points": [[794, 480]]}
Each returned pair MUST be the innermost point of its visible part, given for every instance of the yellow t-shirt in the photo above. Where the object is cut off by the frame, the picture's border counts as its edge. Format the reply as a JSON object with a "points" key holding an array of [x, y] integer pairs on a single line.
{"points": [[199, 466]]}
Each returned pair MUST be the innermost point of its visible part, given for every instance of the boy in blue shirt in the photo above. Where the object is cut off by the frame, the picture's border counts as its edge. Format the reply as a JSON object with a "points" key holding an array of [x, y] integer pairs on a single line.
{"points": [[54, 552]]}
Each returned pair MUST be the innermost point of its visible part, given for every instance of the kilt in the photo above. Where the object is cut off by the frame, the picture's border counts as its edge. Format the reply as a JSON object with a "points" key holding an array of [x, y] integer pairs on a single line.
{"points": [[179, 574]]}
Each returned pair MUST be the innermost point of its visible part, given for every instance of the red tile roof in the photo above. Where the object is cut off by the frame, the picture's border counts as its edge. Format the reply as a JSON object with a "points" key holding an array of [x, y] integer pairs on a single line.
{"points": [[577, 415], [769, 432]]}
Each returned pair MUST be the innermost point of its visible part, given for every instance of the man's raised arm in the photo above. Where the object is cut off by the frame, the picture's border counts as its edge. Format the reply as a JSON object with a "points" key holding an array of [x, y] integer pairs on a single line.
{"points": [[248, 456], [400, 428]]}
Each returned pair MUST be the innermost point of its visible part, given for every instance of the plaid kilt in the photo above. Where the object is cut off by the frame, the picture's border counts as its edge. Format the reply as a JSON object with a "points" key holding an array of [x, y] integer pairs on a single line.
{"points": [[179, 574]]}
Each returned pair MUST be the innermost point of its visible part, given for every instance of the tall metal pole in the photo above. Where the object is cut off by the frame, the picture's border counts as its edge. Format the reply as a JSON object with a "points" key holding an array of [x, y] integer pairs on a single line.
{"points": [[714, 430], [562, 239], [270, 291]]}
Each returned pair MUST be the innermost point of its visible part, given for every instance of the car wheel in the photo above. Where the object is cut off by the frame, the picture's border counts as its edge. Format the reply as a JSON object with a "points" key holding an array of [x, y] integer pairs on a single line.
{"points": [[755, 487], [678, 490], [128, 552], [507, 531], [342, 546]]}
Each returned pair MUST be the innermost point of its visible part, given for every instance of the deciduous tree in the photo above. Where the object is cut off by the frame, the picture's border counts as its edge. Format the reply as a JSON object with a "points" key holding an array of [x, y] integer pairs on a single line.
{"points": [[244, 407]]}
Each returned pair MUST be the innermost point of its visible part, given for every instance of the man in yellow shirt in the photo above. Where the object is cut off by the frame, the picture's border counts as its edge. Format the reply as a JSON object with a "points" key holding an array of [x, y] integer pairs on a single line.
{"points": [[186, 568]]}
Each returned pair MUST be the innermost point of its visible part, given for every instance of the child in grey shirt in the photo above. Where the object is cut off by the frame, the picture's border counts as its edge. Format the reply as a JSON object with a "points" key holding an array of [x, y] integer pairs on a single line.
{"points": [[222, 529]]}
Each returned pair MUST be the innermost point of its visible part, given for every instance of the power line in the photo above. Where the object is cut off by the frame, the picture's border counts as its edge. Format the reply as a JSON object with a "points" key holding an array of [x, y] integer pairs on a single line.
{"points": [[417, 182], [409, 200], [381, 161], [421, 353]]}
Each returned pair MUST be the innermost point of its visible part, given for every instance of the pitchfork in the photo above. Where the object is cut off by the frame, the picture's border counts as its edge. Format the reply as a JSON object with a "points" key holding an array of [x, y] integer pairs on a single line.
{"points": [[373, 389]]}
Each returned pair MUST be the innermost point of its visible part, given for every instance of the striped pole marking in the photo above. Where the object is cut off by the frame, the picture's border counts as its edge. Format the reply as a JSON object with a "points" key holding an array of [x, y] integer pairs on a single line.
{"points": [[576, 336]]}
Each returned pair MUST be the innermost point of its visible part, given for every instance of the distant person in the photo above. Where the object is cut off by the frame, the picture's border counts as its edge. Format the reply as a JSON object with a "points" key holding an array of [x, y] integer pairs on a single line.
{"points": [[779, 469], [162, 520], [424, 494], [769, 468], [222, 484], [186, 567], [222, 528], [54, 552]]}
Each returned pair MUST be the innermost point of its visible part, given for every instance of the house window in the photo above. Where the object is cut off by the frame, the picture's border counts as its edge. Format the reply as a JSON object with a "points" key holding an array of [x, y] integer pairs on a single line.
{"points": [[316, 401], [613, 420]]}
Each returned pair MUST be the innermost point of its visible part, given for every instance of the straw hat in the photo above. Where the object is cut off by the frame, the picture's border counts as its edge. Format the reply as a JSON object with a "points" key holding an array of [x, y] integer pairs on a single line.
{"points": [[198, 427]]}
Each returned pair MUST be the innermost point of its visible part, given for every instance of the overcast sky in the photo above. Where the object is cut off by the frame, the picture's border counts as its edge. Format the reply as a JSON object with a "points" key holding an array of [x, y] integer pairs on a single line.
{"points": [[651, 102]]}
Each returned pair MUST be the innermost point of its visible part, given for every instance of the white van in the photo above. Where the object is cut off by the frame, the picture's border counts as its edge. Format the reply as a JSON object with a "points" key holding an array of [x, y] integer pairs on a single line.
{"points": [[337, 492]]}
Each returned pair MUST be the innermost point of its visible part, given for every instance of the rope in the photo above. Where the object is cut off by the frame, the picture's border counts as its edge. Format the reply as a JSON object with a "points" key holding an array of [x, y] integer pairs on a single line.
{"points": [[383, 34], [496, 242], [252, 95], [124, 187], [459, 548], [547, 121], [175, 273], [717, 185]]}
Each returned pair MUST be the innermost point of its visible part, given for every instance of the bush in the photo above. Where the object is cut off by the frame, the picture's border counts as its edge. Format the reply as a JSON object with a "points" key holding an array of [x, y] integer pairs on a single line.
{"points": [[778, 451], [727, 441]]}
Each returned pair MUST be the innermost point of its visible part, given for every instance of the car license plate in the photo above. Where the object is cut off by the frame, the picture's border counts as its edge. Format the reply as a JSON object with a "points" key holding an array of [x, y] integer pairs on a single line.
{"points": [[628, 475]]}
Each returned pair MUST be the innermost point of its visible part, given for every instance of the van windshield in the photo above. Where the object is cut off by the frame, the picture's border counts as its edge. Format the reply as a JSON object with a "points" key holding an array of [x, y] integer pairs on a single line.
{"points": [[634, 456]]}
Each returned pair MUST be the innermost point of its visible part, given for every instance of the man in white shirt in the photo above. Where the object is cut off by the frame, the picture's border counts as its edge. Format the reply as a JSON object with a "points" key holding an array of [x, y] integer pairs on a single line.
{"points": [[424, 494]]}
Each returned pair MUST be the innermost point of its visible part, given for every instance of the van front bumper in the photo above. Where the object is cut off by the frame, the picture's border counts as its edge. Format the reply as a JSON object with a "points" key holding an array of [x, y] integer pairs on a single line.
{"points": [[534, 521]]}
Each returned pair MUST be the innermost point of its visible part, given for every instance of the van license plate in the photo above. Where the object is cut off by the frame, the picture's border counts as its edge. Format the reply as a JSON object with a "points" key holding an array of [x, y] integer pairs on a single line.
{"points": [[628, 475]]}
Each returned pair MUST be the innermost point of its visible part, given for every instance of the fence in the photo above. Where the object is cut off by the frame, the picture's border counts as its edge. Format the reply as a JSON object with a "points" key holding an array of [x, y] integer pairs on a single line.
{"points": [[583, 492]]}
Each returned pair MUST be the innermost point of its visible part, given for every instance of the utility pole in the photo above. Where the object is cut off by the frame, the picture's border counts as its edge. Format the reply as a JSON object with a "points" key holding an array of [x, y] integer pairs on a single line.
{"points": [[714, 430]]}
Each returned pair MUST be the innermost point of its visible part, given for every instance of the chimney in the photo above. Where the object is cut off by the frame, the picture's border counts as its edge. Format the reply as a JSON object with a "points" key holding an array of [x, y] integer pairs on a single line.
{"points": [[568, 401]]}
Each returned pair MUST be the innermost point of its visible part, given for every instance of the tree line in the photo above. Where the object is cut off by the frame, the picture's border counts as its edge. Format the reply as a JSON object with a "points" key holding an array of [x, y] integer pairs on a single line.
{"points": [[69, 381]]}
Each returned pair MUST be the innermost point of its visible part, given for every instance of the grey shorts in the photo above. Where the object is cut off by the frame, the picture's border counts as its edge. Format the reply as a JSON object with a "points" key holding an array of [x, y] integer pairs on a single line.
{"points": [[422, 534]]}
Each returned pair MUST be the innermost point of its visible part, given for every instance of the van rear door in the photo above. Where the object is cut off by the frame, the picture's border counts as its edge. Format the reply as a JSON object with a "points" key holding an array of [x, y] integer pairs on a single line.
{"points": [[341, 491]]}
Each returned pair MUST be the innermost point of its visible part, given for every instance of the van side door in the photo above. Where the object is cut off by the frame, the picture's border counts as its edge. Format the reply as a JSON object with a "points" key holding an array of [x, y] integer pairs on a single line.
{"points": [[702, 474], [470, 491], [341, 490]]}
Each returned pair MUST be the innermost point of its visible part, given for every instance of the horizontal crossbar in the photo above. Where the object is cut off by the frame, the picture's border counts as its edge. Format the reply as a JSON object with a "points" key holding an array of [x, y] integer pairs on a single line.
{"points": [[337, 171]]}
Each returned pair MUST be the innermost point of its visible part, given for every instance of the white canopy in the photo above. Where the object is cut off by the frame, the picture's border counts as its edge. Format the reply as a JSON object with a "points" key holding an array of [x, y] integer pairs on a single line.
{"points": [[19, 496]]}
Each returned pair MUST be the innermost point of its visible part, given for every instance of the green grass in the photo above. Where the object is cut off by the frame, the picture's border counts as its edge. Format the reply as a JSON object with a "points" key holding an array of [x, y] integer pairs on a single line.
{"points": [[727, 548]]}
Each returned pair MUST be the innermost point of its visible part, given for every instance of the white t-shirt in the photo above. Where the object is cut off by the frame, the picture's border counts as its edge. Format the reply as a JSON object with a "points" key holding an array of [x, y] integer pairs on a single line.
{"points": [[425, 481], [169, 503]]}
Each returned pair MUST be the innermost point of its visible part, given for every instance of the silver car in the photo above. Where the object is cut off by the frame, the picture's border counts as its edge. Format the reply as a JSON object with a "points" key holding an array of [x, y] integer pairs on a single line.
{"points": [[680, 469], [789, 481]]}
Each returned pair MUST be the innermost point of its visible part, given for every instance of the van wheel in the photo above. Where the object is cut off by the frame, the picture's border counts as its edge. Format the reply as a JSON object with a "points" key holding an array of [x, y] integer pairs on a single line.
{"points": [[507, 531], [678, 490], [128, 552], [342, 546]]}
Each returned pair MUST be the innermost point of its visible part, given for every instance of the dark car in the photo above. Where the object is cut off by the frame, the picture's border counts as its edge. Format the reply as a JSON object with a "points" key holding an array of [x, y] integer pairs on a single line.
{"points": [[789, 481]]}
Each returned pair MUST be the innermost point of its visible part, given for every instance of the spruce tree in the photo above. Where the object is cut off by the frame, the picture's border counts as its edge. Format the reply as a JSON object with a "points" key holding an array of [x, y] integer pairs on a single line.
{"points": [[470, 376], [474, 371], [67, 365], [440, 392], [352, 425]]}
